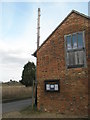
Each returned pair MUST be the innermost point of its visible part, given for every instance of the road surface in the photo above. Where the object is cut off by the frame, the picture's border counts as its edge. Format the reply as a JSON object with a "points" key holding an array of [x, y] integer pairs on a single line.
{"points": [[15, 106]]}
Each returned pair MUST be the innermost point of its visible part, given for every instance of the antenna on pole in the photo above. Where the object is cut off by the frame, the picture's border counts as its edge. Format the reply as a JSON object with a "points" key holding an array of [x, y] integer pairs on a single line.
{"points": [[38, 28]]}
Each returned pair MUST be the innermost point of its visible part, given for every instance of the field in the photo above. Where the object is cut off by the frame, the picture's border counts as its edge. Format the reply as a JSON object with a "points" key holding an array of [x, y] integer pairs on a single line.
{"points": [[15, 92]]}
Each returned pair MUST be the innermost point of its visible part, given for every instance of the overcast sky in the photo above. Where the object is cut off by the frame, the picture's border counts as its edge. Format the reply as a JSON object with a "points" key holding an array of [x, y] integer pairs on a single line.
{"points": [[19, 27]]}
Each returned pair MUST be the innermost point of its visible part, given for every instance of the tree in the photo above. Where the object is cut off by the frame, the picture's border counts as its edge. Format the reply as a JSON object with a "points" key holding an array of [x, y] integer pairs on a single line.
{"points": [[28, 74]]}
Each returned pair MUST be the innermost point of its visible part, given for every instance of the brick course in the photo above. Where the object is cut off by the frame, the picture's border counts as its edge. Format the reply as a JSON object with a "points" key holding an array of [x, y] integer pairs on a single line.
{"points": [[73, 96]]}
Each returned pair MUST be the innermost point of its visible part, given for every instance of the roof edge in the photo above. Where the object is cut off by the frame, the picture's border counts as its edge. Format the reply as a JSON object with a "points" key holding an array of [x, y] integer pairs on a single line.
{"points": [[73, 11]]}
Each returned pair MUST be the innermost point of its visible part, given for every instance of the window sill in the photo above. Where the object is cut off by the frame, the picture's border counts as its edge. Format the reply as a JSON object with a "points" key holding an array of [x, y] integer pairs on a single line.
{"points": [[75, 66]]}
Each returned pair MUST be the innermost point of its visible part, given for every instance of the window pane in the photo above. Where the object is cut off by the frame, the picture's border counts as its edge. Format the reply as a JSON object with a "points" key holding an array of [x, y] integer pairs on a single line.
{"points": [[69, 42], [67, 58], [71, 56], [81, 57], [76, 58], [74, 41], [80, 40]]}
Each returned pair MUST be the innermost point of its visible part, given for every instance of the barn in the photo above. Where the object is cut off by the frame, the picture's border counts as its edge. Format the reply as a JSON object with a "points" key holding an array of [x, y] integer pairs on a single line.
{"points": [[62, 67]]}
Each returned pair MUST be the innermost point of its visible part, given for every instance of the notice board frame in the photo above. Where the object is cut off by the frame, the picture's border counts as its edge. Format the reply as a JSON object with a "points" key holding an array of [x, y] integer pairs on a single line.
{"points": [[52, 82]]}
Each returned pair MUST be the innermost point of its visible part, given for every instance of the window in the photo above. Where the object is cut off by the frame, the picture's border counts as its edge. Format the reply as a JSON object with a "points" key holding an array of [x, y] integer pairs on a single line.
{"points": [[75, 50]]}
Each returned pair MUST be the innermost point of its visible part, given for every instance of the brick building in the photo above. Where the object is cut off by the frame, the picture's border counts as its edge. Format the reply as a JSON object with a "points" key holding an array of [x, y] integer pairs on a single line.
{"points": [[62, 67]]}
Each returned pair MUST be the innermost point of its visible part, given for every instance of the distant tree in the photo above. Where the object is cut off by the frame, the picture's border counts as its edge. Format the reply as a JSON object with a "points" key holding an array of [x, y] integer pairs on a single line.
{"points": [[28, 74]]}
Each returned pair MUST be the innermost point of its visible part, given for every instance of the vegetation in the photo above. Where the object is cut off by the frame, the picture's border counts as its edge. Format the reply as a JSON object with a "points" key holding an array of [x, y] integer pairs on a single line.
{"points": [[11, 82], [28, 74], [15, 92], [30, 110]]}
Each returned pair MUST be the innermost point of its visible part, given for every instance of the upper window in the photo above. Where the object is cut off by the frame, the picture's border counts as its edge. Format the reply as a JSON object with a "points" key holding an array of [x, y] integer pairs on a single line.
{"points": [[75, 50]]}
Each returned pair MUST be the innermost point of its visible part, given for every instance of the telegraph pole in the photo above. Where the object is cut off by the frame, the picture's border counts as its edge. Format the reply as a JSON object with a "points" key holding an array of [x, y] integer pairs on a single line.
{"points": [[38, 28], [38, 40]]}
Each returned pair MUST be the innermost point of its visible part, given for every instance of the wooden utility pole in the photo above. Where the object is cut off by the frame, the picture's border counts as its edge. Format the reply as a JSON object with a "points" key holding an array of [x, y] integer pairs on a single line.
{"points": [[38, 28], [38, 40]]}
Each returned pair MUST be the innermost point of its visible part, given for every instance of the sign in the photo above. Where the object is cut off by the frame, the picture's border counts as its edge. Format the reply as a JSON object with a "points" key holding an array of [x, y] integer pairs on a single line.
{"points": [[52, 85]]}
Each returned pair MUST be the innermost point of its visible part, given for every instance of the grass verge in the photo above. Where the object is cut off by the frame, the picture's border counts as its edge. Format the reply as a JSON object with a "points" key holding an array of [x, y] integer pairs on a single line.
{"points": [[30, 110]]}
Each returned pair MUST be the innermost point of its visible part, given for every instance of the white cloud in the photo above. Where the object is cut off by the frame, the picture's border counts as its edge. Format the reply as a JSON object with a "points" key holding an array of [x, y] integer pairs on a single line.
{"points": [[12, 71], [13, 58]]}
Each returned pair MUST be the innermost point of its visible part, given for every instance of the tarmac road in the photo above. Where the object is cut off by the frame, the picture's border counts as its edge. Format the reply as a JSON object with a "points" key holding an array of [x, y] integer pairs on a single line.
{"points": [[15, 106]]}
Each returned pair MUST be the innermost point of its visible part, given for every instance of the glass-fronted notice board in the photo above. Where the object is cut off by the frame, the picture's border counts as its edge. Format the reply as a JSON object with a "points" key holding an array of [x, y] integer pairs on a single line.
{"points": [[52, 85]]}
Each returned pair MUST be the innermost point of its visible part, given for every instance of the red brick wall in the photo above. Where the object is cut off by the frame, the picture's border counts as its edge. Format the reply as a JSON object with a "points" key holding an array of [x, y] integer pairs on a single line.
{"points": [[73, 96]]}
